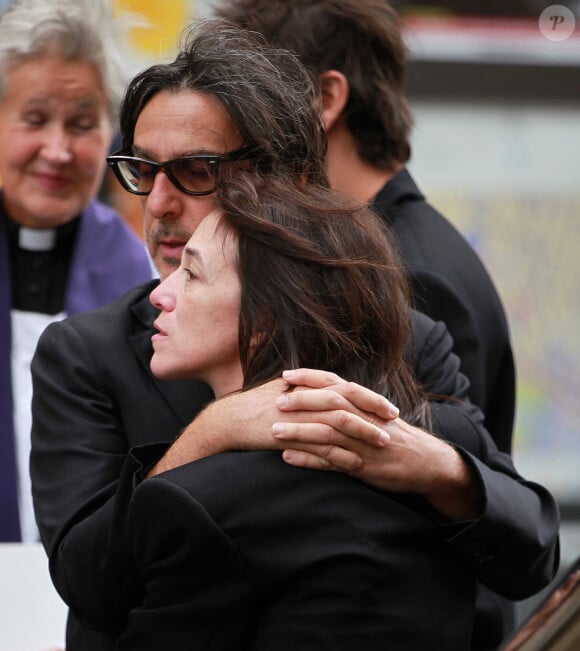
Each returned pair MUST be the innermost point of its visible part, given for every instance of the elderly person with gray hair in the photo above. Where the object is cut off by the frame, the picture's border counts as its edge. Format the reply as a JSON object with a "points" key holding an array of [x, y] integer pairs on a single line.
{"points": [[61, 252]]}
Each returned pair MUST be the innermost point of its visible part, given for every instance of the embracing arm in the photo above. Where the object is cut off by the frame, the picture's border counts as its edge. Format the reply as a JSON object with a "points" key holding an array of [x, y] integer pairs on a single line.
{"points": [[80, 479], [514, 544], [511, 536], [244, 420], [92, 403]]}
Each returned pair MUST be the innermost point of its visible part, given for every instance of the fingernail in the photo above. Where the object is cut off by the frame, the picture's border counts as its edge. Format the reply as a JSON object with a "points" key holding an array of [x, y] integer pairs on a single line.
{"points": [[288, 375], [282, 401], [278, 429], [384, 437]]}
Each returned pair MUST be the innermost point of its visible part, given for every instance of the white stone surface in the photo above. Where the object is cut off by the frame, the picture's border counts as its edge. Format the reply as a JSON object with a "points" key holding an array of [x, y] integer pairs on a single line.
{"points": [[32, 615]]}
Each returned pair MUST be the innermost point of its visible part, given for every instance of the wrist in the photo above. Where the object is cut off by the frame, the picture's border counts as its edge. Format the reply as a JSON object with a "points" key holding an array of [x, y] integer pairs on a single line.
{"points": [[457, 493], [204, 436]]}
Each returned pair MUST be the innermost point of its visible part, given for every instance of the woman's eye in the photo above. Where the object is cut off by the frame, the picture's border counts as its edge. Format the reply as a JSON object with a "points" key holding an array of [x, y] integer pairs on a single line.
{"points": [[85, 123], [189, 274], [34, 119]]}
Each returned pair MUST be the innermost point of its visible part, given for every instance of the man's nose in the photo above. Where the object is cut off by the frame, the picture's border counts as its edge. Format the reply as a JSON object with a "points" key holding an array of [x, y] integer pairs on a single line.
{"points": [[165, 200]]}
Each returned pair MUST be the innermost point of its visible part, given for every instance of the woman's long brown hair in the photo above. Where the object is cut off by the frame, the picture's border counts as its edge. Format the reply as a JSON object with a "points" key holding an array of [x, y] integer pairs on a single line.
{"points": [[322, 287]]}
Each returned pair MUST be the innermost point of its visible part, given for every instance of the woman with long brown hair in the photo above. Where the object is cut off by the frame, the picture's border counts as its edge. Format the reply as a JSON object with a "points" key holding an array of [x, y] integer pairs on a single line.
{"points": [[239, 550]]}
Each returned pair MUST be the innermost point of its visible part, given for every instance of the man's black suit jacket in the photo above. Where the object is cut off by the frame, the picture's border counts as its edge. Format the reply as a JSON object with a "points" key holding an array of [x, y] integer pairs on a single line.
{"points": [[95, 400]]}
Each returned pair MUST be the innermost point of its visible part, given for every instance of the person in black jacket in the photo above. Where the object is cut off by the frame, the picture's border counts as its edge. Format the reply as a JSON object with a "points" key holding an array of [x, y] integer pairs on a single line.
{"points": [[354, 51], [285, 276], [96, 403], [288, 276]]}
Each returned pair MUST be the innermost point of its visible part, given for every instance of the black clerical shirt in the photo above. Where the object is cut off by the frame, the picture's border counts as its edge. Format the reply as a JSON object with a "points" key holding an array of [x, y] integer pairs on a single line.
{"points": [[39, 275]]}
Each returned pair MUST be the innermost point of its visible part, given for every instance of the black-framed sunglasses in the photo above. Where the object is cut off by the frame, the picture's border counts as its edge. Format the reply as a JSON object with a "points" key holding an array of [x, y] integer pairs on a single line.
{"points": [[196, 175]]}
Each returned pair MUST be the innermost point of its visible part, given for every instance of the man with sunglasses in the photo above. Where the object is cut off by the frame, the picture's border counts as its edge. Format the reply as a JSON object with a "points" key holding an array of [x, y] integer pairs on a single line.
{"points": [[226, 101], [195, 175]]}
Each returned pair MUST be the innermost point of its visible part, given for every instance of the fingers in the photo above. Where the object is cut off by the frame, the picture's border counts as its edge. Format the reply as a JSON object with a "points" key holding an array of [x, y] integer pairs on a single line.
{"points": [[313, 400], [331, 458], [367, 400], [335, 428], [360, 397], [310, 377]]}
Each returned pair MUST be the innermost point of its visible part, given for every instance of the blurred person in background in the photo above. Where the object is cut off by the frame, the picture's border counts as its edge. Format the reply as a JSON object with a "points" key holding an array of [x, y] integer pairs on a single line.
{"points": [[61, 251]]}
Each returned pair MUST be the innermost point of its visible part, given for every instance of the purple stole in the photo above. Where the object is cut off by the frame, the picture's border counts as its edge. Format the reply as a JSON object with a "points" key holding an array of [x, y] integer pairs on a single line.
{"points": [[108, 260], [9, 519]]}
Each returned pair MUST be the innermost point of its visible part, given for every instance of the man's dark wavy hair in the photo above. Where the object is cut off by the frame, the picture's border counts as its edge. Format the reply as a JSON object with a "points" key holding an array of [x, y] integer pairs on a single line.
{"points": [[266, 92]]}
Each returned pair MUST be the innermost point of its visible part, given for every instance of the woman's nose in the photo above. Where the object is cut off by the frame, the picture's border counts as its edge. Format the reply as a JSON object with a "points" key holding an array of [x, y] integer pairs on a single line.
{"points": [[57, 146], [163, 296]]}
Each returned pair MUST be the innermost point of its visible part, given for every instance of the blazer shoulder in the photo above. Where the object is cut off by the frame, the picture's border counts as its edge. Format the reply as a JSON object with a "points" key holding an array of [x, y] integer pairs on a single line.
{"points": [[133, 306]]}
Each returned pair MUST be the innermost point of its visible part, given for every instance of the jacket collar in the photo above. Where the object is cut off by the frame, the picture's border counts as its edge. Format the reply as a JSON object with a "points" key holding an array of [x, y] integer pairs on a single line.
{"points": [[399, 189]]}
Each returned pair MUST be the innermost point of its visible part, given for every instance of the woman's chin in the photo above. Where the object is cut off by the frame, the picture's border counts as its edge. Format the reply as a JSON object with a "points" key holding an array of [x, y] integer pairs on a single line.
{"points": [[166, 371]]}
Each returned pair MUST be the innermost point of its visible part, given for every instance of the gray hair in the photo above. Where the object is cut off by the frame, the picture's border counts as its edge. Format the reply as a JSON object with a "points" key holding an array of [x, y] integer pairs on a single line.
{"points": [[79, 30]]}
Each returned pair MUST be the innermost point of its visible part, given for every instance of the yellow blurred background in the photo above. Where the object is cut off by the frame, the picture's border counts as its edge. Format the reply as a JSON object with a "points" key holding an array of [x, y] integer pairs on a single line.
{"points": [[164, 19]]}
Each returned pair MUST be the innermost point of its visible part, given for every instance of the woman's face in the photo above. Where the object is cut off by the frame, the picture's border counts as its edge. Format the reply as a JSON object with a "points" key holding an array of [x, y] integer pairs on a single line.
{"points": [[55, 132], [200, 307]]}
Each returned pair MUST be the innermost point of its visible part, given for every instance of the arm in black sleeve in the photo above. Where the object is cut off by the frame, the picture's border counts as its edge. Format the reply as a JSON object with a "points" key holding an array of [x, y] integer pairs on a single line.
{"points": [[514, 544]]}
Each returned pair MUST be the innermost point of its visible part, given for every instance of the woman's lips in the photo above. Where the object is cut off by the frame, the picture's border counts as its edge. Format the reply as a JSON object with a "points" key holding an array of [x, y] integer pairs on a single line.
{"points": [[161, 335], [53, 181]]}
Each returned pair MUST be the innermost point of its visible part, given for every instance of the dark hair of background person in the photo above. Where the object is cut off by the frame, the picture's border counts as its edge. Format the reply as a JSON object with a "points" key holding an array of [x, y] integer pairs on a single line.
{"points": [[361, 40], [266, 92], [317, 270]]}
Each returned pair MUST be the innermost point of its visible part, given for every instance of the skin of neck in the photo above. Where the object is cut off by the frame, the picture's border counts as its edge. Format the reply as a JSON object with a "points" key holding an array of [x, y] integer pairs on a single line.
{"points": [[347, 171]]}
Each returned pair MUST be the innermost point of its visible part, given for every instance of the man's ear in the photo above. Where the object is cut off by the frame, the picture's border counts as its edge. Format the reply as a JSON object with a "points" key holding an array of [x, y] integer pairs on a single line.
{"points": [[335, 91]]}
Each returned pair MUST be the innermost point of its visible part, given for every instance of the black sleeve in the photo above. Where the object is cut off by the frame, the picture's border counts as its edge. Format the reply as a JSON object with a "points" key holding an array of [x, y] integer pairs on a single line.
{"points": [[82, 479], [514, 544]]}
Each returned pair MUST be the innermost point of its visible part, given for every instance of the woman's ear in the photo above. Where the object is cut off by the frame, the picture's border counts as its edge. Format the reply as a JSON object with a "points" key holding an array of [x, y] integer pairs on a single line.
{"points": [[335, 91]]}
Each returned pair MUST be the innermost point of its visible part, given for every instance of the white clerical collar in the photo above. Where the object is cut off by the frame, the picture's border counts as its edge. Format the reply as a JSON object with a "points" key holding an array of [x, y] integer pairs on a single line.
{"points": [[36, 239]]}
